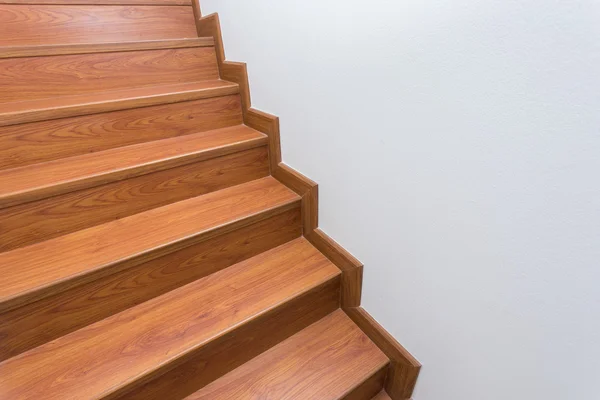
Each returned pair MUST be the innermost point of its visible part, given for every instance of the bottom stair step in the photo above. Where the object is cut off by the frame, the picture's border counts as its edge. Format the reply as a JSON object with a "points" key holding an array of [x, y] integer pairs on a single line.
{"points": [[331, 359], [171, 346]]}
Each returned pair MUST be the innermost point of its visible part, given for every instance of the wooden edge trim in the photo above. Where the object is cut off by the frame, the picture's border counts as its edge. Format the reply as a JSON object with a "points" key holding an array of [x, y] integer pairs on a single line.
{"points": [[197, 11], [86, 48], [98, 2], [404, 368], [352, 269]]}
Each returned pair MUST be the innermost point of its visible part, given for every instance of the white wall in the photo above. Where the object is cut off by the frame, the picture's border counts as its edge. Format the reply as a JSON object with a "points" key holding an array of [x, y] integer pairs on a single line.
{"points": [[457, 149]]}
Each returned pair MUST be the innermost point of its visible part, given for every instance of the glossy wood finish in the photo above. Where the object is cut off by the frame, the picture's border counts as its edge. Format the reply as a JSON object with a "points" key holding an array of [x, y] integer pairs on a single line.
{"points": [[30, 223], [70, 106], [49, 140], [161, 333], [102, 2], [47, 77], [22, 25], [404, 368], [40, 270], [38, 181], [324, 361], [34, 324], [87, 48]]}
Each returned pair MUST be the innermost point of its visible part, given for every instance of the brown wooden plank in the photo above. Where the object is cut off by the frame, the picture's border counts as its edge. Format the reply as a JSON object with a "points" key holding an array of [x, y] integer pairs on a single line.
{"points": [[86, 48], [404, 368], [325, 361], [31, 78], [38, 181], [49, 140], [123, 351], [70, 106], [34, 222], [368, 387], [22, 25], [40, 270], [102, 2], [29, 326]]}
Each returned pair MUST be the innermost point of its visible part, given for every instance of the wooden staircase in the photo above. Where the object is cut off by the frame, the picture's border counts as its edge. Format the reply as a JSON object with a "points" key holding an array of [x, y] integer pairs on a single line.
{"points": [[152, 244]]}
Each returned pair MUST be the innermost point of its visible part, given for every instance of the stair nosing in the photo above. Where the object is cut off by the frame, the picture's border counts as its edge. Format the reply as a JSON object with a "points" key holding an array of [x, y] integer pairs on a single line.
{"points": [[48, 50], [99, 178], [86, 106], [59, 285]]}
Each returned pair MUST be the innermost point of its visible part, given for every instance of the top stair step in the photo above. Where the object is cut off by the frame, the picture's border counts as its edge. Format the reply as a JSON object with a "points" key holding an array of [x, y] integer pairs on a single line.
{"points": [[85, 21], [69, 106]]}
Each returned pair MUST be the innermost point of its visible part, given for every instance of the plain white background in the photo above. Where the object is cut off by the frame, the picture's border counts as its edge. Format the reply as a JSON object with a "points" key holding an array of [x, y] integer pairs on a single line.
{"points": [[457, 149]]}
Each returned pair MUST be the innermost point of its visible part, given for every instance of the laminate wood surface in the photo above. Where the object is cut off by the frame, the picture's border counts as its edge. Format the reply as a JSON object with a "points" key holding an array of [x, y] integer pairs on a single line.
{"points": [[59, 138], [39, 24], [40, 270], [38, 181], [325, 361], [102, 2], [31, 78], [36, 323], [86, 48], [138, 344], [70, 106], [55, 216]]}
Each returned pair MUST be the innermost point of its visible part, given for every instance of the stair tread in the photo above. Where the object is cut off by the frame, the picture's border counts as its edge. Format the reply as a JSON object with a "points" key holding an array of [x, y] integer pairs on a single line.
{"points": [[59, 107], [99, 359], [324, 361], [35, 181], [36, 271], [84, 48]]}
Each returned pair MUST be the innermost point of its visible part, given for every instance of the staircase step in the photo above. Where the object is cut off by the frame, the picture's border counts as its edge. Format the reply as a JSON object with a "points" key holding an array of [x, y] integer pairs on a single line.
{"points": [[50, 77], [212, 325], [43, 141], [72, 22], [326, 361], [37, 271], [38, 181], [86, 48], [69, 106]]}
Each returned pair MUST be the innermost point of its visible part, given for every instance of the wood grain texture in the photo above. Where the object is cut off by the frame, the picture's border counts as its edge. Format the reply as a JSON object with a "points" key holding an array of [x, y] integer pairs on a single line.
{"points": [[39, 24], [43, 269], [163, 333], [70, 106], [31, 78], [369, 386], [55, 216], [38, 181], [325, 361], [36, 323], [404, 368], [102, 2], [87, 48], [42, 141]]}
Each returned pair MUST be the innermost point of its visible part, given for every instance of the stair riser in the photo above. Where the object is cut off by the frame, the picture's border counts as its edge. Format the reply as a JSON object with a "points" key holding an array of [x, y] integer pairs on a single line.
{"points": [[42, 141], [36, 221], [59, 24], [36, 323], [211, 361], [47, 77]]}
